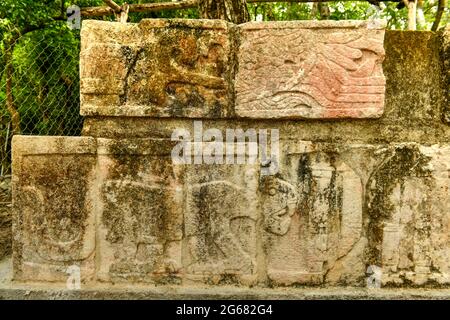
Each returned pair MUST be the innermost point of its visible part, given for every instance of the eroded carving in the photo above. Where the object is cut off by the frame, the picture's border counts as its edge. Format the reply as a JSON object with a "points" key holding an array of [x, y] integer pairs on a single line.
{"points": [[55, 225], [164, 69], [220, 226], [408, 215], [290, 71], [310, 228], [142, 228]]}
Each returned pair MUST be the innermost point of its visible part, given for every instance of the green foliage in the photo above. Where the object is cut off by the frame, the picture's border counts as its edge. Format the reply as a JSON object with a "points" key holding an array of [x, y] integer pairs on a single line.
{"points": [[45, 79], [348, 10]]}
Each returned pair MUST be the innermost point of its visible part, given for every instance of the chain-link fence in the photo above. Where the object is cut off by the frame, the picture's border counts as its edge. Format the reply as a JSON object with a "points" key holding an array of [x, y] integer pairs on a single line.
{"points": [[39, 87]]}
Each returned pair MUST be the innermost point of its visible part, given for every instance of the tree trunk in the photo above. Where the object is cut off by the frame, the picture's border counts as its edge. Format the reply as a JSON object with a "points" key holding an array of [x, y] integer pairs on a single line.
{"points": [[321, 8], [442, 4], [234, 11], [412, 9]]}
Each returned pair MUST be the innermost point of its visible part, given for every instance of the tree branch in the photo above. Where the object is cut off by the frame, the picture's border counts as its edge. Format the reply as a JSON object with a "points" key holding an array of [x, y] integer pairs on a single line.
{"points": [[113, 5], [144, 7], [183, 4], [441, 6]]}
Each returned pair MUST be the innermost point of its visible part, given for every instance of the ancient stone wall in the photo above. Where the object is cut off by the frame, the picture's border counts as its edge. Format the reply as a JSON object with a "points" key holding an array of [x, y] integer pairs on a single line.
{"points": [[361, 182], [5, 217]]}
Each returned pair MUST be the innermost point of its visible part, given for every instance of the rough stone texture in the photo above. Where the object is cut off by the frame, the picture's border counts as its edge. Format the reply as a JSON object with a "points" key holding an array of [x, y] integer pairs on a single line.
{"points": [[141, 222], [221, 223], [165, 68], [187, 68], [349, 194], [331, 211], [5, 217], [319, 70], [12, 290], [445, 56], [55, 212], [408, 207], [312, 213], [413, 105], [350, 206]]}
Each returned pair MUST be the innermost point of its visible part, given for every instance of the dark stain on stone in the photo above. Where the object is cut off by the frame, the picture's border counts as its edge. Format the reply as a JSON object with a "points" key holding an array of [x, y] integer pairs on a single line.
{"points": [[61, 215], [131, 61], [206, 245], [401, 163]]}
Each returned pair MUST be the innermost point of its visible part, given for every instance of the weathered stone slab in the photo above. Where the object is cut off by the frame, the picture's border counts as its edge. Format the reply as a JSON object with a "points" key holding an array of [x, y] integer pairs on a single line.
{"points": [[335, 210], [313, 217], [408, 201], [166, 223], [445, 54], [123, 212], [54, 208], [186, 68], [320, 69], [5, 217], [159, 67], [344, 202], [221, 214], [141, 221]]}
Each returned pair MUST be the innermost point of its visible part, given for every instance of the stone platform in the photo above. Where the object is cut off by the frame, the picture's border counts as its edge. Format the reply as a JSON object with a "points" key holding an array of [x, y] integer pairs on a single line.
{"points": [[10, 290], [357, 186]]}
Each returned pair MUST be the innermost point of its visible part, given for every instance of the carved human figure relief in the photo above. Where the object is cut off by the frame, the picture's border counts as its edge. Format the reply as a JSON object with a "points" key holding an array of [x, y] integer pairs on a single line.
{"points": [[407, 213], [308, 225], [279, 204]]}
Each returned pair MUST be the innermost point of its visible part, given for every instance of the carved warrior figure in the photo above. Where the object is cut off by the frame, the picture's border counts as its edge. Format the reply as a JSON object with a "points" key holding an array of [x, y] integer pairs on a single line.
{"points": [[279, 204], [143, 228], [308, 226], [402, 195]]}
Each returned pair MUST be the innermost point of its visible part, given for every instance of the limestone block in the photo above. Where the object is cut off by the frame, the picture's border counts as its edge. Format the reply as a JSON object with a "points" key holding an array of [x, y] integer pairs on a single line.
{"points": [[54, 211], [221, 214], [312, 215], [141, 220], [335, 210], [408, 201], [5, 217], [445, 54], [303, 69], [122, 211], [159, 67]]}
